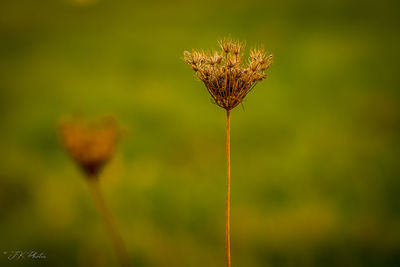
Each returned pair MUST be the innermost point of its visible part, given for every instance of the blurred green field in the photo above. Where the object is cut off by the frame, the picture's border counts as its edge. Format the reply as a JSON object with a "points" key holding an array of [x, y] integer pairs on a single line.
{"points": [[315, 147]]}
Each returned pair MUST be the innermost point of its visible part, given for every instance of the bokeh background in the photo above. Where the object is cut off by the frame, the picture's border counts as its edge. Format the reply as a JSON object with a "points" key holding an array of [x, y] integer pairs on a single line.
{"points": [[315, 147]]}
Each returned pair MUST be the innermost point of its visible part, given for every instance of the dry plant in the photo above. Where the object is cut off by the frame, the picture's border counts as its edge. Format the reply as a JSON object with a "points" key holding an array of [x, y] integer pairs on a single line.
{"points": [[228, 81], [92, 145]]}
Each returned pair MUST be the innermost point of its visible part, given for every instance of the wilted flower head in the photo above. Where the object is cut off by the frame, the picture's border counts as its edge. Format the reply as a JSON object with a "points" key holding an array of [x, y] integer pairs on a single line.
{"points": [[227, 80], [90, 144]]}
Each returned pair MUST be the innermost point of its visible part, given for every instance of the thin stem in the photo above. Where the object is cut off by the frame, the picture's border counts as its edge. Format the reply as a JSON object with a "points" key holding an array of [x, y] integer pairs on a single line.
{"points": [[108, 221], [228, 188]]}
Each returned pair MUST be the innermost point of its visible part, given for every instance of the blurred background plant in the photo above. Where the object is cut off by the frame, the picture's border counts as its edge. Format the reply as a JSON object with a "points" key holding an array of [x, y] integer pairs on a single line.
{"points": [[316, 182], [91, 144]]}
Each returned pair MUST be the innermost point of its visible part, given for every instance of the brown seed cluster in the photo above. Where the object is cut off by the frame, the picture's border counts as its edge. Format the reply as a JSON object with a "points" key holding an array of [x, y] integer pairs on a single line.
{"points": [[227, 79], [91, 145]]}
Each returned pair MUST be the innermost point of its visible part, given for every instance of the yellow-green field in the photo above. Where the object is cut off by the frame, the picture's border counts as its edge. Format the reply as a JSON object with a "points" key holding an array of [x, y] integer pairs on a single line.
{"points": [[315, 147]]}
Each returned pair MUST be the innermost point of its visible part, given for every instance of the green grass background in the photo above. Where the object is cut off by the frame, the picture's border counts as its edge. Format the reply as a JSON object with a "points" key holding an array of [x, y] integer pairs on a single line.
{"points": [[315, 147]]}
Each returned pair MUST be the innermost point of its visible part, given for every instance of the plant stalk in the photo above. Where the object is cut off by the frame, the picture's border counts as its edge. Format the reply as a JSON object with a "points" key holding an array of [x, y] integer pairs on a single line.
{"points": [[108, 221], [228, 188]]}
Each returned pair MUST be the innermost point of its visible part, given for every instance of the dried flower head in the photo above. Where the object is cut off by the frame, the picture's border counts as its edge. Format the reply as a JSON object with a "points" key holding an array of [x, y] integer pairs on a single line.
{"points": [[92, 144], [223, 73]]}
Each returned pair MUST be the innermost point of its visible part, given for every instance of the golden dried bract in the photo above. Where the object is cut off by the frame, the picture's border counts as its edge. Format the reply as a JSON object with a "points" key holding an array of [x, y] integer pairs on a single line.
{"points": [[90, 144], [226, 78]]}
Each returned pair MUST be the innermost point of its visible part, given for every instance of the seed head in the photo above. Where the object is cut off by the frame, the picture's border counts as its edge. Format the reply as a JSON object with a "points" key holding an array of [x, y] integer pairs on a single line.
{"points": [[226, 45], [92, 144], [227, 81]]}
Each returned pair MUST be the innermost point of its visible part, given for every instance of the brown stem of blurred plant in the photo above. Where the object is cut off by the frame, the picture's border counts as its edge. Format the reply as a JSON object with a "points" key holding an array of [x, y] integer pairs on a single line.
{"points": [[228, 187], [108, 221]]}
